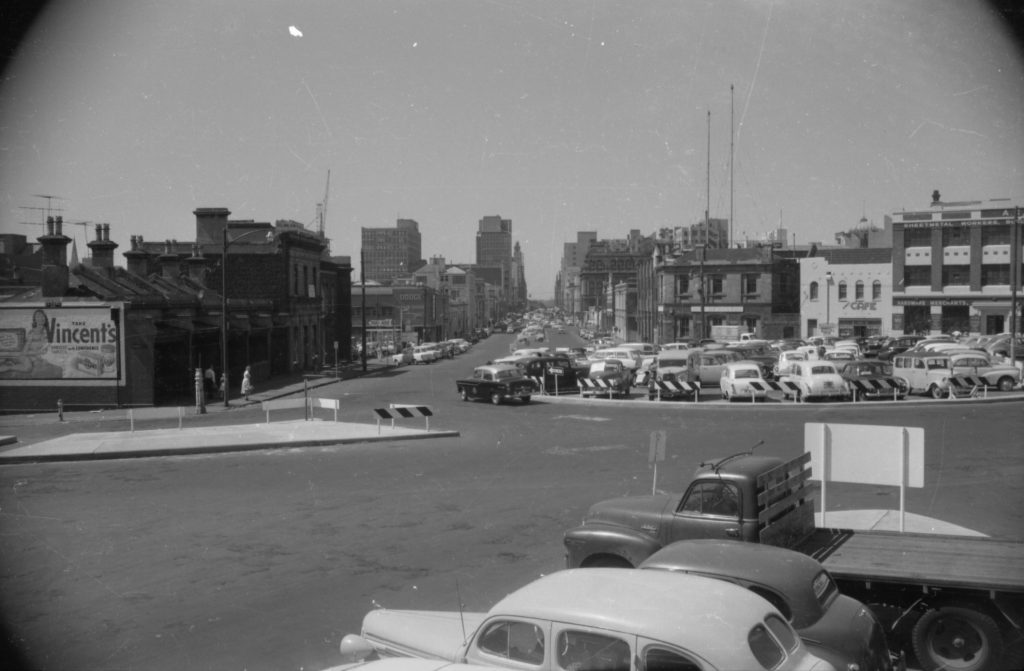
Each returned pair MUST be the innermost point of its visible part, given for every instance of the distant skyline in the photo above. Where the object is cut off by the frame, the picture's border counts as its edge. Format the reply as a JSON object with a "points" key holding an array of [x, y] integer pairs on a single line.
{"points": [[561, 116]]}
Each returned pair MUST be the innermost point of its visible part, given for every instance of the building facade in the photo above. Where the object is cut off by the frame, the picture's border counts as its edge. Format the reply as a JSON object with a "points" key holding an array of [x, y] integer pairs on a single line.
{"points": [[846, 293], [390, 253], [957, 267]]}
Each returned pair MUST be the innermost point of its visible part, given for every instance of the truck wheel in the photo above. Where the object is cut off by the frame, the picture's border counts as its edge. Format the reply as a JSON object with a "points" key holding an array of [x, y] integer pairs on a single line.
{"points": [[526, 399], [496, 398], [464, 395], [937, 392], [957, 638], [1005, 383]]}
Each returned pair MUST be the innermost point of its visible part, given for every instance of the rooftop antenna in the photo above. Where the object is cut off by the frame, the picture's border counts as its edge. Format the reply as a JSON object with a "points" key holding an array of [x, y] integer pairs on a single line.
{"points": [[321, 208]]}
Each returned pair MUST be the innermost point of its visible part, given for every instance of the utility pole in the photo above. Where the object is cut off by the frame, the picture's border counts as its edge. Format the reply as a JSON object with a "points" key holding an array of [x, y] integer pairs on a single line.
{"points": [[1015, 242]]}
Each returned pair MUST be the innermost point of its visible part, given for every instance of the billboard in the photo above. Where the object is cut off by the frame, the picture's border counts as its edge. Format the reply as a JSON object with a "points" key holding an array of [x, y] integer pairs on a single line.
{"points": [[40, 343]]}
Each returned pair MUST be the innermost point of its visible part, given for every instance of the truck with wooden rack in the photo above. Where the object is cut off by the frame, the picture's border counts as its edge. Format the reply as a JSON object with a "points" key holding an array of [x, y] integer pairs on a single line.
{"points": [[954, 602]]}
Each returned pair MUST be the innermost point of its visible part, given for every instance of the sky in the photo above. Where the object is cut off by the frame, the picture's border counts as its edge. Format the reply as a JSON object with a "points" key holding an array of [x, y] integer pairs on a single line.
{"points": [[560, 115]]}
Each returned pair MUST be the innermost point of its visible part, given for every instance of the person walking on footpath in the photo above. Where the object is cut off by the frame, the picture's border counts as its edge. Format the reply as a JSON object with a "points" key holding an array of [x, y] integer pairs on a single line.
{"points": [[223, 385], [210, 382], [247, 383]]}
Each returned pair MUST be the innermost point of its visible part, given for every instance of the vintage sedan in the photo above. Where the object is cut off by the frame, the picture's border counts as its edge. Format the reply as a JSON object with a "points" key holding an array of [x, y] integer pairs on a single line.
{"points": [[425, 353], [602, 620], [873, 379], [606, 377], [497, 382], [816, 380], [743, 380], [833, 626], [670, 369]]}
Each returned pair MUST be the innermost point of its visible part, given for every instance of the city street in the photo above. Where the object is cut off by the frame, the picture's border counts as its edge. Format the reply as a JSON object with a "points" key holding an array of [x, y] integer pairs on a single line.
{"points": [[264, 560]]}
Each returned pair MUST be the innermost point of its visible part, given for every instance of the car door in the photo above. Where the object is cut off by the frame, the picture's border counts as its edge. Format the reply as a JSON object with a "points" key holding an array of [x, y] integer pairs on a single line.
{"points": [[711, 508]]}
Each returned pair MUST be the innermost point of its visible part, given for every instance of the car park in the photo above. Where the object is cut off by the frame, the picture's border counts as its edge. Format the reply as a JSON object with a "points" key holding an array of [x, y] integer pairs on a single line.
{"points": [[897, 345], [606, 377], [743, 380], [496, 383], [872, 379], [815, 380], [835, 627], [556, 374], [602, 619]]}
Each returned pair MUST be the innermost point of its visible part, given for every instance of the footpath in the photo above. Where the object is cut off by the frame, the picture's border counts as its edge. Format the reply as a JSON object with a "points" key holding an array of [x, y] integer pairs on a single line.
{"points": [[318, 430]]}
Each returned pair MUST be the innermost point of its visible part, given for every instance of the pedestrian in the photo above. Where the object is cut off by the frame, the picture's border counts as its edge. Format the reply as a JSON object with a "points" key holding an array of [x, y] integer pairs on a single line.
{"points": [[223, 385], [247, 383], [210, 382]]}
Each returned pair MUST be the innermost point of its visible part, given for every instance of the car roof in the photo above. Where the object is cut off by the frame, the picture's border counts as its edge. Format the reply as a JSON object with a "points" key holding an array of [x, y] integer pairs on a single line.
{"points": [[702, 614], [788, 572], [495, 367]]}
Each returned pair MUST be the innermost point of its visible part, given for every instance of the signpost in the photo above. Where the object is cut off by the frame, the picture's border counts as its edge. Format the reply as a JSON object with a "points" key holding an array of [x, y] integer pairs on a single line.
{"points": [[656, 454]]}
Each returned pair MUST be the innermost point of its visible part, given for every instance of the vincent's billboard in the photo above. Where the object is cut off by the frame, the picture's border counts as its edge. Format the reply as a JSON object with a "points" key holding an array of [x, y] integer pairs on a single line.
{"points": [[57, 343]]}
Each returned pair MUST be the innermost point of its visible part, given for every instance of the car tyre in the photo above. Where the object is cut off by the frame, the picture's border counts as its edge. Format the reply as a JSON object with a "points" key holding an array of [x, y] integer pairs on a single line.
{"points": [[937, 392], [1005, 383], [496, 398], [526, 399]]}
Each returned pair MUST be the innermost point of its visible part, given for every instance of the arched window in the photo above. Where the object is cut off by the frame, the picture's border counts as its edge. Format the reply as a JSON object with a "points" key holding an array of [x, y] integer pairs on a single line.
{"points": [[842, 291], [814, 291], [858, 290], [876, 290]]}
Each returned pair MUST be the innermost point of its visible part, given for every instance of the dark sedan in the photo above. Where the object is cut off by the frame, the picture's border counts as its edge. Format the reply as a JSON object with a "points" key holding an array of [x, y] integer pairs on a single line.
{"points": [[872, 379], [835, 627], [496, 382]]}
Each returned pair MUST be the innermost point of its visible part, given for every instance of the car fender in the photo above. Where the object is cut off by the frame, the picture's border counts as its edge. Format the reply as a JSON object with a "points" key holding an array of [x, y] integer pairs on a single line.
{"points": [[588, 543]]}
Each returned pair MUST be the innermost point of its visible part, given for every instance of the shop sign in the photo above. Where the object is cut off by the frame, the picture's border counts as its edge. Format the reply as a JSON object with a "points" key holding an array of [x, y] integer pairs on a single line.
{"points": [[860, 305]]}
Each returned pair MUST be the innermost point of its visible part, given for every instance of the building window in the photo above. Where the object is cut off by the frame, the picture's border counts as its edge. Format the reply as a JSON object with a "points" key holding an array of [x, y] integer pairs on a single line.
{"points": [[995, 274], [876, 290], [813, 292], [917, 276], [955, 237], [716, 284], [995, 235], [812, 326], [858, 291], [841, 295], [917, 237], [682, 285], [750, 284], [956, 275]]}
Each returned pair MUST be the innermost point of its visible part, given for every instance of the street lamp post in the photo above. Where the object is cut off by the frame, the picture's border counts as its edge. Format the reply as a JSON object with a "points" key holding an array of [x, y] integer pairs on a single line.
{"points": [[224, 306], [828, 301]]}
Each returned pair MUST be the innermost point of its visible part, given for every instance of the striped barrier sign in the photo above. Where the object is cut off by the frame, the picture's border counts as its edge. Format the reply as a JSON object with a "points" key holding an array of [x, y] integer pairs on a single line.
{"points": [[967, 386], [588, 386], [395, 411], [876, 387], [677, 387], [785, 386]]}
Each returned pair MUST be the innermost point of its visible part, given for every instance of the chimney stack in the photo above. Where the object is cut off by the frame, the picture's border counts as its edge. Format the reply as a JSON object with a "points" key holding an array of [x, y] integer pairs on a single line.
{"points": [[102, 248], [55, 275], [197, 264], [170, 264], [138, 258]]}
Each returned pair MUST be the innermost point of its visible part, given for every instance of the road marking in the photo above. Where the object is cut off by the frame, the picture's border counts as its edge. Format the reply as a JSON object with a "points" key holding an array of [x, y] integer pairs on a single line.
{"points": [[585, 418], [565, 451]]}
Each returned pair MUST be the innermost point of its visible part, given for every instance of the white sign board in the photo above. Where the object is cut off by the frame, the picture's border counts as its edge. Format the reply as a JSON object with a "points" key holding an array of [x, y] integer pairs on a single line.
{"points": [[867, 454]]}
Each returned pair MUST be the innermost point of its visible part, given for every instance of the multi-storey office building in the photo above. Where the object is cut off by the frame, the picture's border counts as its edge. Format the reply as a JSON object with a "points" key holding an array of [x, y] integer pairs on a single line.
{"points": [[956, 267], [392, 252]]}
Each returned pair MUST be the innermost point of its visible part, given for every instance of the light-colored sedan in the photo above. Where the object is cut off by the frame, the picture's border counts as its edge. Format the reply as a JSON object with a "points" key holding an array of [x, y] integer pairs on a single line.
{"points": [[600, 619], [816, 379], [425, 353], [743, 380]]}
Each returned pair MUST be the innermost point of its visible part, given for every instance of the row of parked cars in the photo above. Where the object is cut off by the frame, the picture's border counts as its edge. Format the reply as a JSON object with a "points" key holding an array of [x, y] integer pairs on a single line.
{"points": [[429, 352]]}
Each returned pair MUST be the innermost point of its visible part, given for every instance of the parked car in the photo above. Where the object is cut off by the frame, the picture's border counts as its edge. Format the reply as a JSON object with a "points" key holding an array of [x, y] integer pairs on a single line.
{"points": [[603, 619], [705, 365], [897, 345], [787, 357], [930, 372], [815, 379], [670, 366], [426, 353], [403, 356], [835, 627], [556, 374], [354, 647], [875, 380], [497, 383], [1000, 345], [610, 378], [630, 358], [736, 380]]}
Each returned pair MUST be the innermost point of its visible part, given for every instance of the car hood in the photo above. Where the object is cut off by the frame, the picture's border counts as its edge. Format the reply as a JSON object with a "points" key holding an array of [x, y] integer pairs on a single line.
{"points": [[420, 633], [635, 512]]}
